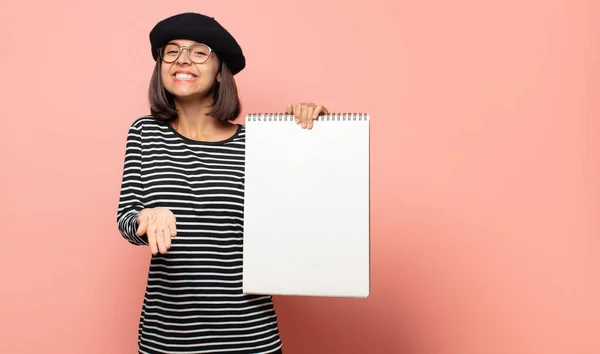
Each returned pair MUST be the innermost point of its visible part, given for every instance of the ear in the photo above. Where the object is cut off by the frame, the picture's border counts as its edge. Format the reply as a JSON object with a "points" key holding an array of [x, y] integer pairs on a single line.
{"points": [[219, 77]]}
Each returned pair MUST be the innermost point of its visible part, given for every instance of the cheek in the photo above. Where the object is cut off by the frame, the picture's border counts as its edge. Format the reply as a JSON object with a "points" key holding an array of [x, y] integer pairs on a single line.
{"points": [[212, 70], [164, 75]]}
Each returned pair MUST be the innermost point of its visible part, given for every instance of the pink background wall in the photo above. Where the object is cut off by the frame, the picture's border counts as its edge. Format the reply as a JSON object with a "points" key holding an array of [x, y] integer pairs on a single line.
{"points": [[485, 167]]}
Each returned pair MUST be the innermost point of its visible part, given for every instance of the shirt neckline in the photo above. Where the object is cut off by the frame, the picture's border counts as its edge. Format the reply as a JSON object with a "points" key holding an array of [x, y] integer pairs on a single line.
{"points": [[203, 142]]}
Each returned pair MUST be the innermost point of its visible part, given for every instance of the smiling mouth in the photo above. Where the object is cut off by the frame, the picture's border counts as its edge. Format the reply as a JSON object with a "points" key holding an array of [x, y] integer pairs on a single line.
{"points": [[184, 77]]}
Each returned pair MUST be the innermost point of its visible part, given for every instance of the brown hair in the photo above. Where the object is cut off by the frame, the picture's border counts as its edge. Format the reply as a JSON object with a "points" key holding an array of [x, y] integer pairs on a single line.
{"points": [[226, 103]]}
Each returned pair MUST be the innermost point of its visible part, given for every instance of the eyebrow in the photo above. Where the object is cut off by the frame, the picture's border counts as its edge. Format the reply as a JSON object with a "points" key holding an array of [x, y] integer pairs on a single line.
{"points": [[173, 42]]}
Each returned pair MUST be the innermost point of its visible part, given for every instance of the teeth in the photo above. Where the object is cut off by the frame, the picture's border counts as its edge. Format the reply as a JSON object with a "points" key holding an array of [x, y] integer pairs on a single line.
{"points": [[184, 76]]}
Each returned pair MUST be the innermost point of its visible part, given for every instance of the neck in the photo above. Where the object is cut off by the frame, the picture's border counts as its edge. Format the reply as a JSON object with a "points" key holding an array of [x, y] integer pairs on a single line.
{"points": [[192, 119]]}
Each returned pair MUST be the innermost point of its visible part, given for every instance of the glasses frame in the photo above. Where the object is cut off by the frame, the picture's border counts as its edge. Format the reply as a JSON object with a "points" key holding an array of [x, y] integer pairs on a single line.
{"points": [[181, 48]]}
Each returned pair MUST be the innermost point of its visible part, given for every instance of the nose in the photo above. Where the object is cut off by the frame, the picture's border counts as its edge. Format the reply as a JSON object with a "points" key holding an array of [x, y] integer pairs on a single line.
{"points": [[184, 58]]}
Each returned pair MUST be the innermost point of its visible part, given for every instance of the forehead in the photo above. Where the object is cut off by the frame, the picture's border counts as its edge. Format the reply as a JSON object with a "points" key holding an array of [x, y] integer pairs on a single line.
{"points": [[183, 42]]}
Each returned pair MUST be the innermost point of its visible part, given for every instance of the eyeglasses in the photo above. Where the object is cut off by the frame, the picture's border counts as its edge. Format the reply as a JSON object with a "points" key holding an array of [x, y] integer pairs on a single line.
{"points": [[198, 53]]}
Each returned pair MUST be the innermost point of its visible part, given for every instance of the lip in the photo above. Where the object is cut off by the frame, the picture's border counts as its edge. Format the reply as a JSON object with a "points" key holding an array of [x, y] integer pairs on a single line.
{"points": [[184, 72]]}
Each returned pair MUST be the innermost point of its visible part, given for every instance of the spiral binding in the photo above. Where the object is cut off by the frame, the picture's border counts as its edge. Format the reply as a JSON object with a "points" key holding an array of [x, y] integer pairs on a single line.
{"points": [[283, 117]]}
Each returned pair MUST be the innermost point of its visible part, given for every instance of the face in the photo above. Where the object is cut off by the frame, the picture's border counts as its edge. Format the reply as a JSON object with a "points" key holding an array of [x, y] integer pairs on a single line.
{"points": [[185, 79]]}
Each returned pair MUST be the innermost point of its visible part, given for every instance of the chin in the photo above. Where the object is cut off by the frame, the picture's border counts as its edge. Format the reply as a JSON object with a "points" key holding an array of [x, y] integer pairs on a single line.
{"points": [[188, 92], [186, 95]]}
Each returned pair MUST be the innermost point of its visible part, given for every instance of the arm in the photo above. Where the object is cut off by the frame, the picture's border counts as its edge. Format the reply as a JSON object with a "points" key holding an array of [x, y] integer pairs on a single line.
{"points": [[130, 199]]}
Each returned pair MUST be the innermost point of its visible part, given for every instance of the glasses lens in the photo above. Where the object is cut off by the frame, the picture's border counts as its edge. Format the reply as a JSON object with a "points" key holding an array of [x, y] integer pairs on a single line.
{"points": [[199, 53], [170, 53]]}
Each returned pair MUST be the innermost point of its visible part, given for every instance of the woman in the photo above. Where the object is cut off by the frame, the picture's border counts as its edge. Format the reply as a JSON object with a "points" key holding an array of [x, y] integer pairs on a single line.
{"points": [[182, 195]]}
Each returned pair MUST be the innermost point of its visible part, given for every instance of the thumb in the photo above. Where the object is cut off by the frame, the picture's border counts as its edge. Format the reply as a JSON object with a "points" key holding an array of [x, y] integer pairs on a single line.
{"points": [[143, 226], [289, 109]]}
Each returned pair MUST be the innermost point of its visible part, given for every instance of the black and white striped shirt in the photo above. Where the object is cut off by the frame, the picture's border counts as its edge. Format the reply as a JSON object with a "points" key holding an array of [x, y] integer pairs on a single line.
{"points": [[193, 301]]}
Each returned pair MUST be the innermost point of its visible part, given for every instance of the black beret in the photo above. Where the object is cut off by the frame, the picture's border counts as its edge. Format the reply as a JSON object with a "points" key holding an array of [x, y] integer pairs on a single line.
{"points": [[202, 29]]}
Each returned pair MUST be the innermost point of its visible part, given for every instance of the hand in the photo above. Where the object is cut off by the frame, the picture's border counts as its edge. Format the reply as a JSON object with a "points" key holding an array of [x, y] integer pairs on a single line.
{"points": [[306, 113], [159, 225]]}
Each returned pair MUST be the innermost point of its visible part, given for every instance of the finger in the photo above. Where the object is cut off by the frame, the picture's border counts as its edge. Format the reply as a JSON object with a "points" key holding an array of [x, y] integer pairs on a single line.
{"points": [[303, 116], [172, 228], [152, 240], [167, 238], [309, 117], [160, 241], [297, 113], [289, 109]]}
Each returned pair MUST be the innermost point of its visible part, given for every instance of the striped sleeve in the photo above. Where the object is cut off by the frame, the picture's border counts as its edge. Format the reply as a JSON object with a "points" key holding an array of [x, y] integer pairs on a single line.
{"points": [[130, 199]]}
